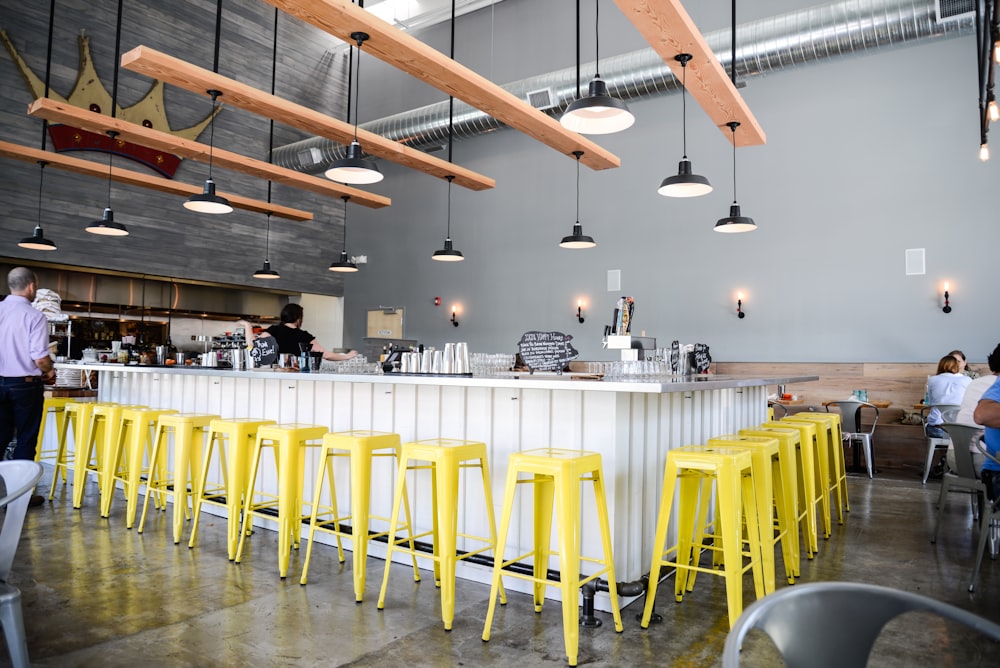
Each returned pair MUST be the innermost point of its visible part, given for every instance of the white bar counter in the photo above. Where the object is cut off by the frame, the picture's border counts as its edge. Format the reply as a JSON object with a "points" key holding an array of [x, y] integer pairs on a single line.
{"points": [[631, 423]]}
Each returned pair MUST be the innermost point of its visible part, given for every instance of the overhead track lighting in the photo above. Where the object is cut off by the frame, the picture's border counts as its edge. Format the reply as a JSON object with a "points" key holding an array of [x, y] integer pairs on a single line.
{"points": [[355, 169], [37, 241], [207, 201], [685, 183], [344, 264], [577, 239], [735, 222], [597, 113]]}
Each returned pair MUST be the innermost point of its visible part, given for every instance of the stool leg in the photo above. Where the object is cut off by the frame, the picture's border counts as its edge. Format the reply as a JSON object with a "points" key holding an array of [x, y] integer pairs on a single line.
{"points": [[730, 528], [807, 486], [133, 465], [325, 469], [393, 524], [247, 524], [752, 519], [62, 456], [602, 517], [662, 519], [81, 460], [447, 514], [785, 521], [498, 553], [289, 506], [202, 482], [692, 518], [763, 509], [361, 486], [112, 466], [543, 487], [155, 478], [490, 515], [567, 497]]}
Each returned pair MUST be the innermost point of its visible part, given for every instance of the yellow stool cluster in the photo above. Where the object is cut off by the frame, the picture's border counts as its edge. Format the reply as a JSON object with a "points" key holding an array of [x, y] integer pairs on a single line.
{"points": [[125, 460]]}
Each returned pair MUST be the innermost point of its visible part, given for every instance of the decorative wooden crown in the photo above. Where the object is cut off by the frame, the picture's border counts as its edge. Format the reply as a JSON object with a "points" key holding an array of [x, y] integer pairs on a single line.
{"points": [[89, 93]]}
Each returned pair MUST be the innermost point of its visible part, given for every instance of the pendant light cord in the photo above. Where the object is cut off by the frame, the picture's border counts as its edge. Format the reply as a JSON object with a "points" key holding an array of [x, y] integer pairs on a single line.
{"points": [[114, 96], [270, 136], [345, 198], [684, 113], [41, 180], [48, 69], [733, 128], [579, 93], [451, 121], [597, 39], [357, 89], [578, 154], [450, 179]]}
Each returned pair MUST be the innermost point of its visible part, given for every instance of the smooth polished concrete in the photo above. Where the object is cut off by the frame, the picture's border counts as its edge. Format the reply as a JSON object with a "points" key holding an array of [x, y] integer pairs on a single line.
{"points": [[96, 594]]}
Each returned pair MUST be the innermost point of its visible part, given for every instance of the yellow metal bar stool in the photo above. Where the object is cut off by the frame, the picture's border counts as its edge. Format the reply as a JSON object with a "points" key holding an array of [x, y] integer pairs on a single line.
{"points": [[65, 456], [361, 448], [693, 471], [288, 440], [444, 457], [791, 474], [125, 460], [830, 429], [240, 435], [189, 431], [56, 406], [776, 521], [556, 475], [812, 459]]}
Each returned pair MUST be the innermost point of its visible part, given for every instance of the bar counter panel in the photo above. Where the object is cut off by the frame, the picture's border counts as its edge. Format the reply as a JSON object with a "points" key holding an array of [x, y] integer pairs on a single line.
{"points": [[632, 425]]}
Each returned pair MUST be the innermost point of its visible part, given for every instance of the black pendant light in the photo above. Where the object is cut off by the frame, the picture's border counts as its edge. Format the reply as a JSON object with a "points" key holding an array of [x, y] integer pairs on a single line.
{"points": [[577, 239], [266, 272], [735, 222], [107, 226], [207, 201], [448, 253], [37, 241], [596, 113], [684, 184], [344, 264], [355, 169]]}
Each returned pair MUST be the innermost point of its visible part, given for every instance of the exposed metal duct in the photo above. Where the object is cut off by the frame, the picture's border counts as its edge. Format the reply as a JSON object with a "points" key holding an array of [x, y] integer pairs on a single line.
{"points": [[764, 46]]}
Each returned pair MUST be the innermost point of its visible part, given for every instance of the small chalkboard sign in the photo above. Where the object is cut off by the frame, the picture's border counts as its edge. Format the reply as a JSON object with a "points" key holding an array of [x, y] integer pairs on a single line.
{"points": [[702, 358], [546, 351], [264, 351]]}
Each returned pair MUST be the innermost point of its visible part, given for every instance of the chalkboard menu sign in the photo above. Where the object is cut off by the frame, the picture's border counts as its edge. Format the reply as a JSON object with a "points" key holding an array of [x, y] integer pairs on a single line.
{"points": [[264, 351], [546, 351]]}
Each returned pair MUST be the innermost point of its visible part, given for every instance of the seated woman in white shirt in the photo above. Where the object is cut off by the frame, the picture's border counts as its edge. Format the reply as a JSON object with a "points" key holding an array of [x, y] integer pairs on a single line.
{"points": [[945, 387]]}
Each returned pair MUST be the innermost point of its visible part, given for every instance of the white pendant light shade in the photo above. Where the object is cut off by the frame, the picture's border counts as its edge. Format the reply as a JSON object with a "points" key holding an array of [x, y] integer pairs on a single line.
{"points": [[107, 226], [597, 113], [37, 241], [208, 201], [354, 169]]}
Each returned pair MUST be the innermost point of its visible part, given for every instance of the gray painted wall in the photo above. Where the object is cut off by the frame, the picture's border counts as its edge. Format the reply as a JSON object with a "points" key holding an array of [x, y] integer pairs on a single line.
{"points": [[866, 157]]}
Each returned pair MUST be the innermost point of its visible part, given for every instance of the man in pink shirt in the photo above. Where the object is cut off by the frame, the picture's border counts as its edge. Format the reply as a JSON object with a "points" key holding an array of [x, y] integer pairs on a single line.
{"points": [[25, 365]]}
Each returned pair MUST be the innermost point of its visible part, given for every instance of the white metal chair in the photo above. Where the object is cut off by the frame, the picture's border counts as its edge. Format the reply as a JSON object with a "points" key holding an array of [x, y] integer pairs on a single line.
{"points": [[18, 477], [964, 477], [850, 426], [948, 414], [835, 624]]}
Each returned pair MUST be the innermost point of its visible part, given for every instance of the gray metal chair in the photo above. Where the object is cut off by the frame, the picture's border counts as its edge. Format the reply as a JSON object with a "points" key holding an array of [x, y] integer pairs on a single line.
{"points": [[948, 414], [19, 477], [989, 522], [965, 477], [850, 427], [835, 624]]}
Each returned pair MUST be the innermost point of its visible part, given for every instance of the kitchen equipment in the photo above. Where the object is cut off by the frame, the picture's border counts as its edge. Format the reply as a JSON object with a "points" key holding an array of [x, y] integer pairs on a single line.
{"points": [[448, 359], [90, 354], [238, 358], [426, 360], [461, 357], [161, 355], [210, 359], [437, 361], [180, 357]]}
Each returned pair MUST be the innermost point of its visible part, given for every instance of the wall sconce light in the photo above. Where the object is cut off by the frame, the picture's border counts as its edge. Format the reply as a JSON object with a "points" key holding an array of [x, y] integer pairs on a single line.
{"points": [[739, 306], [579, 310], [437, 301], [947, 297], [454, 316]]}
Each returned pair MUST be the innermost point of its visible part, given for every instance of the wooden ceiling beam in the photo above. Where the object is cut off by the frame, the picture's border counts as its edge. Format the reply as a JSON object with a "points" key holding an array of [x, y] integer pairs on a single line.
{"points": [[665, 24], [406, 53], [63, 112], [177, 72], [128, 177]]}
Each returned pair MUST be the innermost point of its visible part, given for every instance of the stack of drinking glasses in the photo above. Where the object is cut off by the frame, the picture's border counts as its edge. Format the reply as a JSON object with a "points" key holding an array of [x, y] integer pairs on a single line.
{"points": [[491, 365]]}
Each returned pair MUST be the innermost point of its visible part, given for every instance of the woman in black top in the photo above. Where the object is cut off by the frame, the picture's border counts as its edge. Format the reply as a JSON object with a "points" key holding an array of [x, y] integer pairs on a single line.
{"points": [[289, 334]]}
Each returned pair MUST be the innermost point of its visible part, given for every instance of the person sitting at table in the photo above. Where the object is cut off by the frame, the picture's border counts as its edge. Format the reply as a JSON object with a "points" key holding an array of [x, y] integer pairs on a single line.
{"points": [[963, 364], [289, 335], [947, 386], [973, 393]]}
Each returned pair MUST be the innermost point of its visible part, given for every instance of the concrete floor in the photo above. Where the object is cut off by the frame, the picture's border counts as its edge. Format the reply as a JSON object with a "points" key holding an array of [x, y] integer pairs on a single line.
{"points": [[96, 594]]}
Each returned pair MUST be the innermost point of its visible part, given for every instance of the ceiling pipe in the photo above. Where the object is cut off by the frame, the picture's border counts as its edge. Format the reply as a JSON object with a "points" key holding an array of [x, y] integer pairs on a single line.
{"points": [[766, 46]]}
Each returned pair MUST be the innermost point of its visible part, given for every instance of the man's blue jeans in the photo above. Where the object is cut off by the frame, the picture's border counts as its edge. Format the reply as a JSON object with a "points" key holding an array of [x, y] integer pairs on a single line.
{"points": [[21, 403]]}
